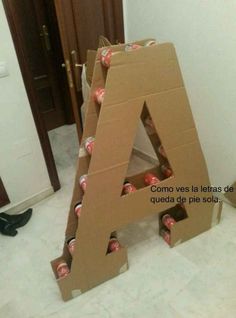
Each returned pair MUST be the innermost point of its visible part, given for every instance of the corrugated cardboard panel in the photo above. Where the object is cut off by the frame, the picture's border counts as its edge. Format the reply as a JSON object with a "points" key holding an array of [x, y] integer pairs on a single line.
{"points": [[172, 117], [129, 78], [188, 165], [149, 76], [72, 222], [90, 128], [116, 130], [91, 58]]}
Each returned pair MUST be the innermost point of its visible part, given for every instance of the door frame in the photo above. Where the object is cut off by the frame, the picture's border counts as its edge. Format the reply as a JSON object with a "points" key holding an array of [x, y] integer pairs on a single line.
{"points": [[40, 126]]}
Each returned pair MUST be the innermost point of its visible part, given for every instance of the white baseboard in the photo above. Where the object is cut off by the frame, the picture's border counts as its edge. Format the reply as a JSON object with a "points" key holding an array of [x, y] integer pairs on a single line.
{"points": [[28, 203]]}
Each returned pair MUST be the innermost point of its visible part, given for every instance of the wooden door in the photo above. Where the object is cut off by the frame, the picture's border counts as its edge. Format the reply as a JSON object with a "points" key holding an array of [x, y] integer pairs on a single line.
{"points": [[81, 22], [4, 200], [17, 13], [37, 24]]}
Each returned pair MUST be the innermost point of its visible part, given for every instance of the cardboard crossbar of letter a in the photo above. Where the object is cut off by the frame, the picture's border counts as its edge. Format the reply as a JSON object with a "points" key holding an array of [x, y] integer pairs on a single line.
{"points": [[150, 76]]}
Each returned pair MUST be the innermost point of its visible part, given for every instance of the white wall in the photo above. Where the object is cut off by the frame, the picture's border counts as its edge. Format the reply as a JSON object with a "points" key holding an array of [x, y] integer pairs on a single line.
{"points": [[204, 34], [22, 166], [143, 143]]}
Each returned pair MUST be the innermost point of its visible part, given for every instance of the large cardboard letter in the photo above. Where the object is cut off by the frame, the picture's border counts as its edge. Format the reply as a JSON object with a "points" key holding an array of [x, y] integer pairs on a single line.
{"points": [[149, 76]]}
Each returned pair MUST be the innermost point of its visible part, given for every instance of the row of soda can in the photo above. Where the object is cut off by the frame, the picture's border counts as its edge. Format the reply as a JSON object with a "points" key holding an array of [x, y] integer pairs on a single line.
{"points": [[106, 54], [166, 170], [105, 59], [113, 245], [149, 179], [128, 187], [63, 268]]}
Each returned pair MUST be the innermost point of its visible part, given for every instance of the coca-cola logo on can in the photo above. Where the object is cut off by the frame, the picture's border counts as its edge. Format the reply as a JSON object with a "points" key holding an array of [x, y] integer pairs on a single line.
{"points": [[62, 269], [77, 208], [150, 179], [99, 95], [105, 57], [83, 182], [71, 246], [161, 150], [113, 245], [168, 221], [132, 46], [89, 144], [128, 187]]}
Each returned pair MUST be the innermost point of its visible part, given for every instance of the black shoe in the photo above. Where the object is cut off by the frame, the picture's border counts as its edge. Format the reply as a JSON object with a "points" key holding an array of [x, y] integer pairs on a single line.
{"points": [[17, 220], [7, 228]]}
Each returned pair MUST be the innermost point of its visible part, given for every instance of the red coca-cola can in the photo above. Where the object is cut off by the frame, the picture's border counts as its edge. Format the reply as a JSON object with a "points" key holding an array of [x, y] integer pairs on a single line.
{"points": [[62, 269], [77, 209], [166, 236], [166, 171], [89, 144], [132, 46], [113, 245], [168, 221], [162, 151], [149, 126], [150, 179], [71, 245], [105, 57], [83, 182], [149, 122], [99, 95], [128, 187]]}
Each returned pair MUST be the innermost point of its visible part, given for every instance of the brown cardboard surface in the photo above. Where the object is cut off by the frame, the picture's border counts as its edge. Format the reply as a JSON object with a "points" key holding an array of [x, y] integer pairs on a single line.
{"points": [[135, 67], [148, 76], [91, 58]]}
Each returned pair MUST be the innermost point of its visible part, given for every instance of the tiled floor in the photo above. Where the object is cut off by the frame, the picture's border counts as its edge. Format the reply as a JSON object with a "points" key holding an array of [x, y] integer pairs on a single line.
{"points": [[195, 279]]}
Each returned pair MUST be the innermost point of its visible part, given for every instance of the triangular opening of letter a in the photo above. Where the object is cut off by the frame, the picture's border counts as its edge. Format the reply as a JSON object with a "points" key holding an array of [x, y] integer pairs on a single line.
{"points": [[148, 162]]}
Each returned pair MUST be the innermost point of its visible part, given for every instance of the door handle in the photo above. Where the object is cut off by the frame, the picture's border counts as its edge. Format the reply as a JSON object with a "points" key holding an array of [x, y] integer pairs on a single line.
{"points": [[68, 72], [46, 37], [76, 65]]}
